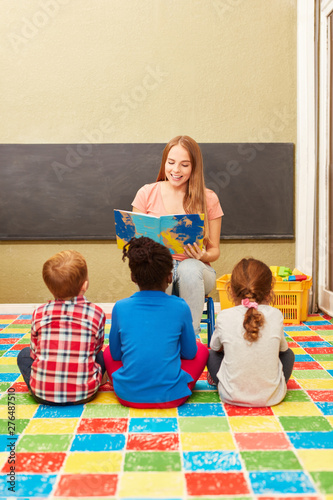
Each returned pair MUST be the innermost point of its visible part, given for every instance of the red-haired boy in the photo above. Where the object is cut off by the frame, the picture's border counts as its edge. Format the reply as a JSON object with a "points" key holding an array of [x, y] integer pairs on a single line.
{"points": [[64, 364]]}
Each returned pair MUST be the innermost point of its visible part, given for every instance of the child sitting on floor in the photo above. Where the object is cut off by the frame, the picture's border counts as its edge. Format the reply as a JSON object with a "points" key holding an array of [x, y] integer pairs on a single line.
{"points": [[249, 358], [153, 357], [64, 364]]}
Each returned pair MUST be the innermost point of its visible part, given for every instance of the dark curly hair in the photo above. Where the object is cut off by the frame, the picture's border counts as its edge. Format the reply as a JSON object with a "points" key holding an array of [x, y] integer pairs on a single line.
{"points": [[150, 263], [252, 279]]}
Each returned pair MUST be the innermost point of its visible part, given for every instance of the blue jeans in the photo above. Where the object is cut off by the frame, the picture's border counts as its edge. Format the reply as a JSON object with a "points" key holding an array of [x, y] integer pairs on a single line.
{"points": [[192, 280]]}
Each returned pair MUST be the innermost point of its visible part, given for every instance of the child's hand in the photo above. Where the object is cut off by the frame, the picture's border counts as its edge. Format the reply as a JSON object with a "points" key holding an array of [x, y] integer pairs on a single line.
{"points": [[194, 251]]}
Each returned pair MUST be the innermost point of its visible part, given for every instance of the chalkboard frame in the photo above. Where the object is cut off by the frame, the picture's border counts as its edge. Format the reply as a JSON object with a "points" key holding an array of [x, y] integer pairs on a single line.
{"points": [[69, 191]]}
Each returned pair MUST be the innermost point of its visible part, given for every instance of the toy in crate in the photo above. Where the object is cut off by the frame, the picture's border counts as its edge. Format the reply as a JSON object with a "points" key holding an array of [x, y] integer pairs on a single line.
{"points": [[291, 290]]}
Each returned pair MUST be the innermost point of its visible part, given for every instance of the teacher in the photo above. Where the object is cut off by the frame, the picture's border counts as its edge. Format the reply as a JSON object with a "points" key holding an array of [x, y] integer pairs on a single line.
{"points": [[180, 189]]}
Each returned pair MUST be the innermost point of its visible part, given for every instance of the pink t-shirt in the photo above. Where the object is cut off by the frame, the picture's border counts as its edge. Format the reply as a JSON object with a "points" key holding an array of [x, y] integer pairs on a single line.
{"points": [[149, 201]]}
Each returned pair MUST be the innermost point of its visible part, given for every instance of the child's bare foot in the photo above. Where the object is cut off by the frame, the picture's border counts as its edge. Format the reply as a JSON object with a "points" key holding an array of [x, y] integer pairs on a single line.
{"points": [[210, 380]]}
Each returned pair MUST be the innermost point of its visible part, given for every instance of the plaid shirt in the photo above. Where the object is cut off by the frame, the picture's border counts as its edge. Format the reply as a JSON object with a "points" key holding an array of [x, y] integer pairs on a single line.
{"points": [[66, 335]]}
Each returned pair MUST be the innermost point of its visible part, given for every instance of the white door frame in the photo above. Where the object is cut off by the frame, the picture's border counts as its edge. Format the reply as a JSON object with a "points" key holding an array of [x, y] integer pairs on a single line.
{"points": [[325, 296], [306, 150]]}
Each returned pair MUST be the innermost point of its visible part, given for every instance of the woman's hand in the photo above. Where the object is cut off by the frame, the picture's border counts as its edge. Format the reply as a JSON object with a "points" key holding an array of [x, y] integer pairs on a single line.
{"points": [[194, 251], [212, 251]]}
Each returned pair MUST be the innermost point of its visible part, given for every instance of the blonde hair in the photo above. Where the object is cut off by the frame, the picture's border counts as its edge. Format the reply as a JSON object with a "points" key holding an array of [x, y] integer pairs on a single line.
{"points": [[195, 195], [65, 273], [251, 279]]}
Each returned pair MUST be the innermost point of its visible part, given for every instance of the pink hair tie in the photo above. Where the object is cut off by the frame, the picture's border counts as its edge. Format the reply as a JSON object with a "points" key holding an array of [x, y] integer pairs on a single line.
{"points": [[248, 303]]}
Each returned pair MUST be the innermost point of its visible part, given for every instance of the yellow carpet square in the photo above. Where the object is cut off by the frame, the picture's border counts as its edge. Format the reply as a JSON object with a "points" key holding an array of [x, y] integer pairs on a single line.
{"points": [[23, 329], [303, 333], [21, 411], [255, 424], [52, 426], [151, 485], [330, 419], [296, 409], [206, 441], [316, 459], [328, 365], [153, 413], [105, 398], [93, 462], [316, 383], [3, 458], [8, 361], [298, 350]]}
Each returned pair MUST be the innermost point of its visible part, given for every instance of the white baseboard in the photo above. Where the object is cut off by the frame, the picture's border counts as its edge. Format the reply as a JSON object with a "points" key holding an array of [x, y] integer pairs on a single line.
{"points": [[29, 308]]}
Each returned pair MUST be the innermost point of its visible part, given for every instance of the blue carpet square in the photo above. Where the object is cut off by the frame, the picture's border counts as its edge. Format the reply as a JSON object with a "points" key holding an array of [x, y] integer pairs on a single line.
{"points": [[201, 410], [314, 344], [11, 354], [9, 377], [326, 408], [319, 323], [311, 439], [203, 385], [48, 411], [153, 425], [98, 442], [11, 335], [280, 482], [211, 461], [303, 358], [29, 485], [299, 328], [8, 443]]}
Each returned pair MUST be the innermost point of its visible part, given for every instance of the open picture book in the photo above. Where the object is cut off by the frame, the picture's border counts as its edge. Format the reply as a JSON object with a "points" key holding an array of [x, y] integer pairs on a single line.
{"points": [[173, 231]]}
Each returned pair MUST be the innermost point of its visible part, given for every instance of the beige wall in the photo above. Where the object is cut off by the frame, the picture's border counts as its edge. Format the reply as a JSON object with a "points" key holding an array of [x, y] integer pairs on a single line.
{"points": [[142, 71]]}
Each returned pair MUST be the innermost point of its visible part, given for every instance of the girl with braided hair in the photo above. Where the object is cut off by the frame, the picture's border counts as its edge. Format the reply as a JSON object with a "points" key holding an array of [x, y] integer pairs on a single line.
{"points": [[249, 360], [153, 358]]}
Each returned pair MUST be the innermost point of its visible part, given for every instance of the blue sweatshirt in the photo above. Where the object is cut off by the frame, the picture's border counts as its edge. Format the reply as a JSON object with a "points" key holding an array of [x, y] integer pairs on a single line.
{"points": [[150, 333]]}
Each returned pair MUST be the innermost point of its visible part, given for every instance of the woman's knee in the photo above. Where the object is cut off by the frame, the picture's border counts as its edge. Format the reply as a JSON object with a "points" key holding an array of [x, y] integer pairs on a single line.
{"points": [[191, 268]]}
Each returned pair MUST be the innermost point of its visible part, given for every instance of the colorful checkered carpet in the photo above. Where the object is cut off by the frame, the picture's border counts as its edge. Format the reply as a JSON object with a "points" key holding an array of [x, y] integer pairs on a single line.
{"points": [[204, 449]]}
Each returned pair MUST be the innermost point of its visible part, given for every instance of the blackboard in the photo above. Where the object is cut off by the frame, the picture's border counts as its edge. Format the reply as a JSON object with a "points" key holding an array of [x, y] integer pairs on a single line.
{"points": [[69, 191]]}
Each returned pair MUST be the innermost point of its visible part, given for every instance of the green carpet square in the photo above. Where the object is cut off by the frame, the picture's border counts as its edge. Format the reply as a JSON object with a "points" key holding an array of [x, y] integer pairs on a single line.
{"points": [[4, 386], [270, 460], [297, 395], [45, 442], [9, 369], [322, 357], [311, 374], [203, 424], [152, 461], [20, 399], [305, 423], [323, 481], [105, 410], [204, 397], [20, 425]]}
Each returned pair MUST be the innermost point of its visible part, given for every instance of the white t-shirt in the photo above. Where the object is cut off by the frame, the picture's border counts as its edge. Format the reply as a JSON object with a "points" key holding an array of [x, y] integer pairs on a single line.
{"points": [[251, 373]]}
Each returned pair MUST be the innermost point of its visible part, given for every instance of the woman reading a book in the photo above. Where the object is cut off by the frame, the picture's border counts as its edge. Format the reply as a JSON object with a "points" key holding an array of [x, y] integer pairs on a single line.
{"points": [[180, 189]]}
